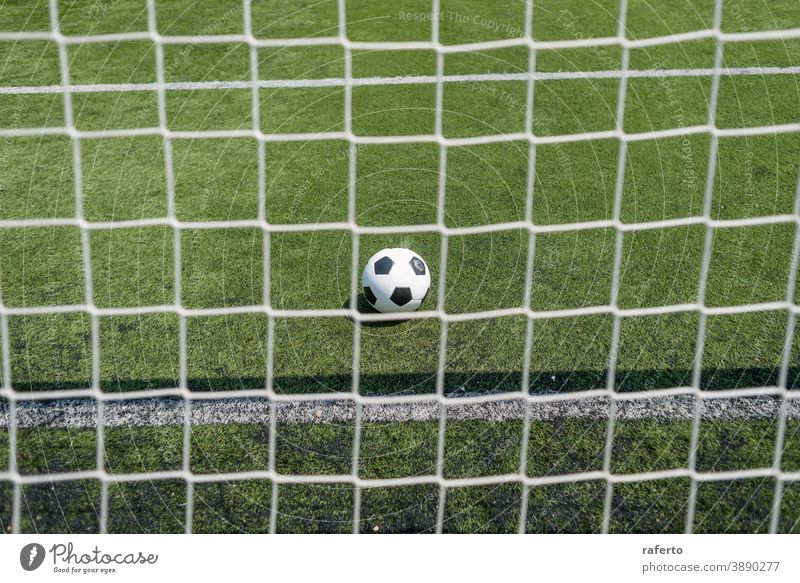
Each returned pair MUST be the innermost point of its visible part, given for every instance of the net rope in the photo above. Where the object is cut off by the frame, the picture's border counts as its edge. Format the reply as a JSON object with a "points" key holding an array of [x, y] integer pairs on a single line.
{"points": [[439, 398]]}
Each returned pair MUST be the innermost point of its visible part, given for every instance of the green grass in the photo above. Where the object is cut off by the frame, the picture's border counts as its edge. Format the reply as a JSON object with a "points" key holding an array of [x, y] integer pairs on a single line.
{"points": [[472, 449], [575, 507], [649, 507], [216, 179], [124, 178]]}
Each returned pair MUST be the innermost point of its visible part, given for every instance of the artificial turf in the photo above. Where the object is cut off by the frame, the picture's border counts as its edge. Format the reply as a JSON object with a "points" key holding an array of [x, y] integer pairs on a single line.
{"points": [[216, 179], [471, 449]]}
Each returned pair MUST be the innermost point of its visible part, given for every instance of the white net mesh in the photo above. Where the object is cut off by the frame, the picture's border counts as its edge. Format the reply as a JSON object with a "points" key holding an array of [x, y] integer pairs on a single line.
{"points": [[437, 404]]}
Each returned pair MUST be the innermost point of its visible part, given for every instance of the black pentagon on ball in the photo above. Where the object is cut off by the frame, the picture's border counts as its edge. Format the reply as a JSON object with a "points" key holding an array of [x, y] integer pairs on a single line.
{"points": [[369, 295], [383, 266], [417, 265], [401, 295]]}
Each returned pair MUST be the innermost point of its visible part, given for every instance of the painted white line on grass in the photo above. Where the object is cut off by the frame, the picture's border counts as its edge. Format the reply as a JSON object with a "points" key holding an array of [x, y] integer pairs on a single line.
{"points": [[82, 414], [406, 80]]}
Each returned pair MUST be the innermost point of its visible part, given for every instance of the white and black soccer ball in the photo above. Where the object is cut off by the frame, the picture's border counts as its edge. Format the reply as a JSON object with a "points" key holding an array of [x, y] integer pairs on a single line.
{"points": [[396, 280]]}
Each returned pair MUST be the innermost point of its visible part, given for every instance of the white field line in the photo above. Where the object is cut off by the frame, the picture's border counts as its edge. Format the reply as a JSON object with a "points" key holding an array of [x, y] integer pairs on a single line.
{"points": [[82, 414], [407, 80]]}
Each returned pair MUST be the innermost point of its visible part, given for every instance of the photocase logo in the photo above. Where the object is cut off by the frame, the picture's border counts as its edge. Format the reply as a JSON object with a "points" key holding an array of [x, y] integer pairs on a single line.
{"points": [[31, 556]]}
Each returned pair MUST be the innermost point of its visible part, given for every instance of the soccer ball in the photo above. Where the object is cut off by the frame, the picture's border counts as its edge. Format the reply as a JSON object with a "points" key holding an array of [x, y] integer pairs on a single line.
{"points": [[396, 280]]}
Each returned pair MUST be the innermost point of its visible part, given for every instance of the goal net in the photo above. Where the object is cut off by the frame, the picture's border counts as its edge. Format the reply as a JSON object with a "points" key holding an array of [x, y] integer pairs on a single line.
{"points": [[612, 221]]}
